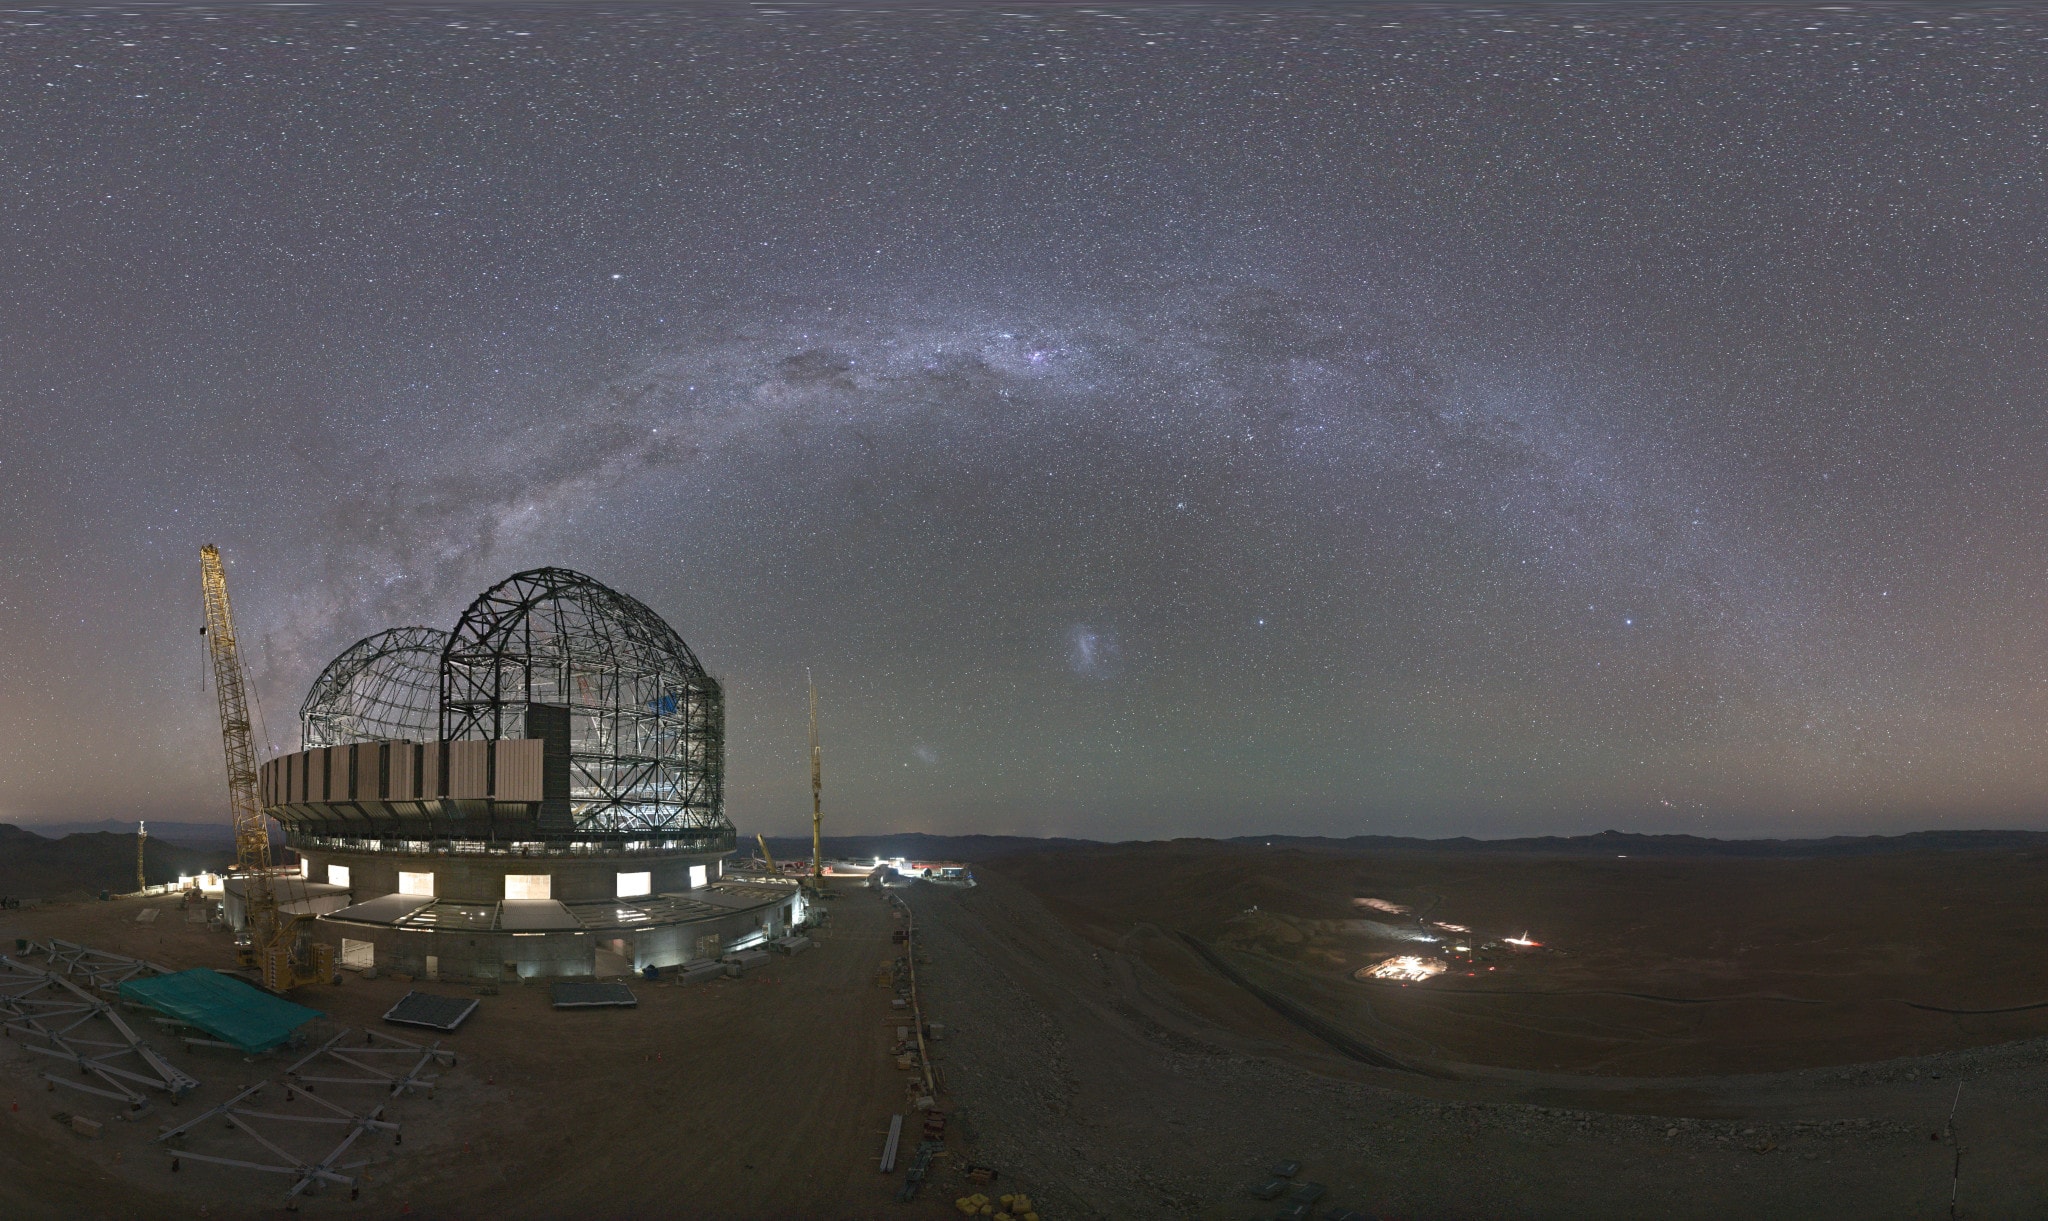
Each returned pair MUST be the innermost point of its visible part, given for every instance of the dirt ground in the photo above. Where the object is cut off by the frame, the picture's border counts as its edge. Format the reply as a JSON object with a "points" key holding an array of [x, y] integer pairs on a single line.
{"points": [[1103, 1065], [1103, 1057], [767, 1096], [1646, 967]]}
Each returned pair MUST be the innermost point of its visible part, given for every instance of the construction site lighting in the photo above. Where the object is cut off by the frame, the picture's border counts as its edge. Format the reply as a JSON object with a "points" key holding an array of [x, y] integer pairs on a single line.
{"points": [[1406, 968]]}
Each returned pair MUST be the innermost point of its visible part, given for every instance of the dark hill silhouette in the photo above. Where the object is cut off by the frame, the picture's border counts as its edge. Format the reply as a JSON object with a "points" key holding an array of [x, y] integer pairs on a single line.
{"points": [[1606, 843], [213, 834], [34, 867], [1625, 843]]}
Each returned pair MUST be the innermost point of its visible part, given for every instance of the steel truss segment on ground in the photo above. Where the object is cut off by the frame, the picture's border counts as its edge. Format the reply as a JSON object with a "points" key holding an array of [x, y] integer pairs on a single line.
{"points": [[383, 688], [266, 1128], [646, 722], [358, 1057], [99, 969], [236, 1115], [48, 1006]]}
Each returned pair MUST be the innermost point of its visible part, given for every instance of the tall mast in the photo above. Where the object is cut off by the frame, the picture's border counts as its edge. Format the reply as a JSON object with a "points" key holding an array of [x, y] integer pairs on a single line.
{"points": [[141, 838], [273, 944], [252, 835], [817, 799]]}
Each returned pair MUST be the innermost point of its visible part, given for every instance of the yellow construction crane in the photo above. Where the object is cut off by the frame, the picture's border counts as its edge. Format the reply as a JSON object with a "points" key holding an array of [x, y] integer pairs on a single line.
{"points": [[817, 800], [270, 944], [765, 854]]}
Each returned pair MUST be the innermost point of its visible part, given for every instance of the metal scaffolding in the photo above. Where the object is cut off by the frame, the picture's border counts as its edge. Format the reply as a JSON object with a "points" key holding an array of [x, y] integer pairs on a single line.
{"points": [[645, 723], [383, 688], [293, 1138], [61, 1012]]}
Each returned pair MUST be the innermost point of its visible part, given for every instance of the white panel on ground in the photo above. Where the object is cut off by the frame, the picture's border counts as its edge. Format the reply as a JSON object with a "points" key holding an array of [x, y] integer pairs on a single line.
{"points": [[357, 955], [337, 875], [699, 876], [529, 886], [421, 884], [633, 885]]}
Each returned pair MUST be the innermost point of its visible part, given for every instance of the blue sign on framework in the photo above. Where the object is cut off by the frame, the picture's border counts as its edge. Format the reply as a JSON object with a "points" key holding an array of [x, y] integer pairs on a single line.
{"points": [[666, 705]]}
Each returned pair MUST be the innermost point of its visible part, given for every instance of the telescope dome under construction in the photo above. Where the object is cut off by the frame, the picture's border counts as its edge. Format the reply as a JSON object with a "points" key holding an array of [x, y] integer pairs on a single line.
{"points": [[552, 769]]}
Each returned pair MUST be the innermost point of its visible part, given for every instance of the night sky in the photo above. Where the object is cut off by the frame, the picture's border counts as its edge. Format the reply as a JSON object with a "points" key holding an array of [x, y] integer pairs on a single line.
{"points": [[1143, 421]]}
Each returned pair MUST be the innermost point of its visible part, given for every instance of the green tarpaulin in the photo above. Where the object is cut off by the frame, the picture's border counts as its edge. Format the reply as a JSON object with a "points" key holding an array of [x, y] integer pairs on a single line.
{"points": [[224, 1007]]}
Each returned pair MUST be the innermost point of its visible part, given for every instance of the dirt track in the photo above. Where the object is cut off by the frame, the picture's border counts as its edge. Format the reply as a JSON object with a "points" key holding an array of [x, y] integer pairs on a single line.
{"points": [[1134, 1081], [1648, 967]]}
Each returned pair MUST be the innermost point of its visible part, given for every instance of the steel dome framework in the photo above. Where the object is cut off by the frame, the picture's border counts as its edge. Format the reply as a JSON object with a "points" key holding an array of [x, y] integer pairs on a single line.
{"points": [[646, 723], [382, 688]]}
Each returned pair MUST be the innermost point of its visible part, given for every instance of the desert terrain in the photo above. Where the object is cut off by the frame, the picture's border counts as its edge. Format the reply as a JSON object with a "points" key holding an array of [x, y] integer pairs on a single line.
{"points": [[1643, 967], [1141, 1030], [1151, 1084], [765, 1096]]}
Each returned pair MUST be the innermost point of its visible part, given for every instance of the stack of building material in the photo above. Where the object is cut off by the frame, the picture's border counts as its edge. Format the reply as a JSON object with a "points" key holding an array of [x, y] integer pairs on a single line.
{"points": [[579, 995], [234, 1012], [744, 961], [703, 968], [795, 943]]}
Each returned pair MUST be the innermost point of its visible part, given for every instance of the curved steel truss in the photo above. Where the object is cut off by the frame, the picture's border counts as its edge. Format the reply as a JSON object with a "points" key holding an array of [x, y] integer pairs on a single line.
{"points": [[645, 724], [383, 688]]}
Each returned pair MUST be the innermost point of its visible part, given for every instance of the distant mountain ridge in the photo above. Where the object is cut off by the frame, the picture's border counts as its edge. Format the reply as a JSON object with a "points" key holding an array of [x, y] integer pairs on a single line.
{"points": [[211, 839], [916, 845], [82, 865], [201, 834], [920, 845], [1632, 844]]}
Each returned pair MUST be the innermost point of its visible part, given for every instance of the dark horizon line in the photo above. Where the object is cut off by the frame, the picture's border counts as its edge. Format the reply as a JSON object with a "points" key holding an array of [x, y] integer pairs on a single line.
{"points": [[982, 845]]}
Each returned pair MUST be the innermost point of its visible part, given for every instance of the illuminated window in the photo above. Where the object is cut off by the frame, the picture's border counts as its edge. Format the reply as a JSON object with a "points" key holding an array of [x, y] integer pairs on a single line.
{"points": [[699, 876], [419, 884], [633, 885], [528, 885], [337, 875]]}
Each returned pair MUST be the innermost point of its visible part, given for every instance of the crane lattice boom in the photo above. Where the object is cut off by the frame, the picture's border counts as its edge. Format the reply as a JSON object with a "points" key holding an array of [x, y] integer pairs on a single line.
{"points": [[270, 947], [252, 836], [817, 798]]}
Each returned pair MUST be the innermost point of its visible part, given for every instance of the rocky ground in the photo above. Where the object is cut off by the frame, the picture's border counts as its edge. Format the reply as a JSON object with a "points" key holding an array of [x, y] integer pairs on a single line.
{"points": [[1124, 1091], [764, 1097]]}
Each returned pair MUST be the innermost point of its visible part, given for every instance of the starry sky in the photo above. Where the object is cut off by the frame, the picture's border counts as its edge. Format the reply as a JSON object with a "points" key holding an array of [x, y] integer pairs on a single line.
{"points": [[1144, 421]]}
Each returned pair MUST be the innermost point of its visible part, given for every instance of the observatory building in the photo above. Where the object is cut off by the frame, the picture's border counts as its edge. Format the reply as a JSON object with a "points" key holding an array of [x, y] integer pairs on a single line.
{"points": [[540, 791]]}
